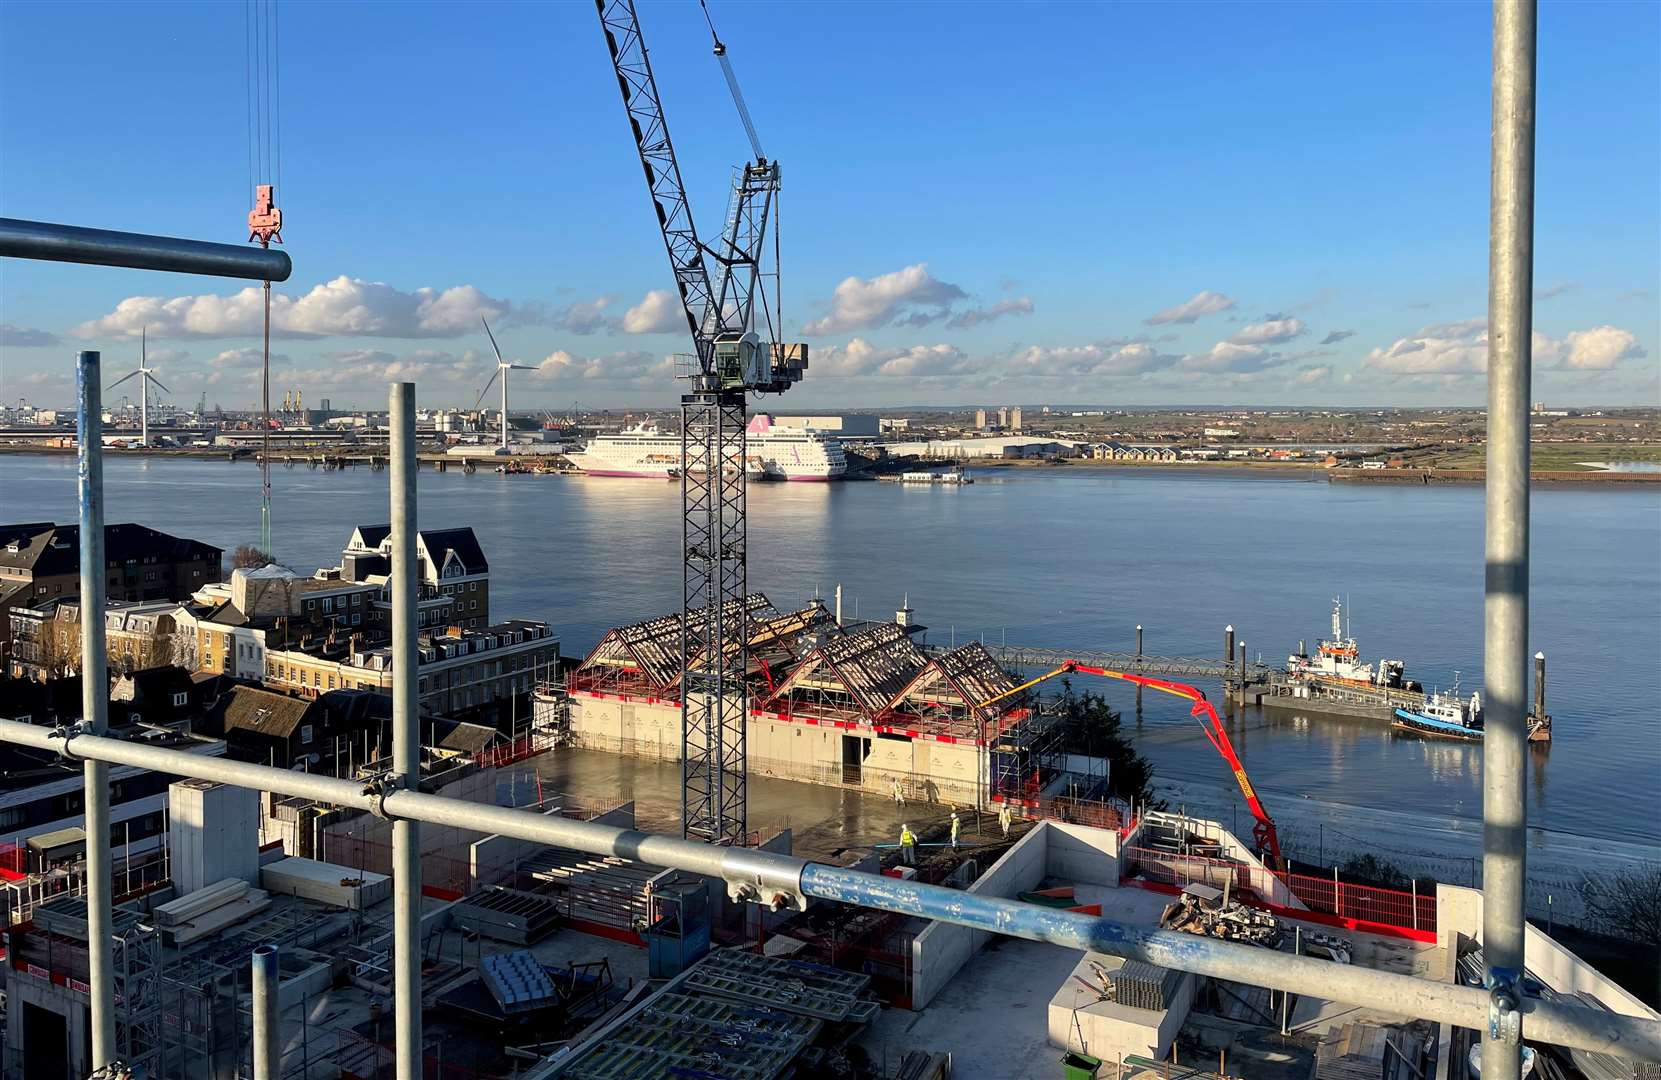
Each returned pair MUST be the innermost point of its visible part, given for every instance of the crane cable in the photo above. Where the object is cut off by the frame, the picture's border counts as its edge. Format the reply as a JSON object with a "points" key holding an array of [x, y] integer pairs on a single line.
{"points": [[262, 88]]}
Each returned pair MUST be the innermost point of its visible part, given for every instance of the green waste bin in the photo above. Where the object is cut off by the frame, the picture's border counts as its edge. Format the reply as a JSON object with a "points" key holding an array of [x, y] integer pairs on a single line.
{"points": [[1080, 1066]]}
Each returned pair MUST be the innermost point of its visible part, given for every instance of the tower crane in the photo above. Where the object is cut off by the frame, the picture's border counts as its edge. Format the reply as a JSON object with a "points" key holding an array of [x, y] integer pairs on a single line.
{"points": [[720, 290], [1263, 827]]}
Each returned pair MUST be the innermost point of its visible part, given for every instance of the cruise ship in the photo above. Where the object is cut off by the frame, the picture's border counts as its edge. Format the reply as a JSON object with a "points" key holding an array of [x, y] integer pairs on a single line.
{"points": [[771, 453]]}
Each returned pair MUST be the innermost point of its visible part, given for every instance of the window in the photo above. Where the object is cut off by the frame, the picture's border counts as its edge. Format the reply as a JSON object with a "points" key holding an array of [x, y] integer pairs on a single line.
{"points": [[305, 733], [331, 682], [180, 699], [356, 618]]}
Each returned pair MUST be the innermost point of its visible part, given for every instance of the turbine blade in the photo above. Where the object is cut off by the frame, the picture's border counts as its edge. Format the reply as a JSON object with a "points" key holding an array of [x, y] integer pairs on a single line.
{"points": [[486, 389], [522, 367], [121, 380], [492, 338], [157, 381]]}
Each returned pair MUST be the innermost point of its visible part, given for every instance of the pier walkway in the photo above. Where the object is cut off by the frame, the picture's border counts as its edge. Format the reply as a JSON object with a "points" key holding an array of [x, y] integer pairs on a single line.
{"points": [[1026, 656]]}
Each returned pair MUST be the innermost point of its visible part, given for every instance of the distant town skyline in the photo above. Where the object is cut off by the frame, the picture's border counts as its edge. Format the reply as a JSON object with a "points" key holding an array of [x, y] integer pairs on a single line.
{"points": [[1241, 205]]}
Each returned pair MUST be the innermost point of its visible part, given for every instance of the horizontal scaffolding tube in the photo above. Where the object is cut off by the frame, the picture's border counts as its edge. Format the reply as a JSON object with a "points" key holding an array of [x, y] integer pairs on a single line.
{"points": [[774, 875], [21, 239]]}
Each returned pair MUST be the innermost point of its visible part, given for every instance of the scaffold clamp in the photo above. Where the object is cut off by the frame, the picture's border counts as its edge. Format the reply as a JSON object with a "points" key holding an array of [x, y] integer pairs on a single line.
{"points": [[66, 732], [757, 877], [1505, 1017], [379, 788]]}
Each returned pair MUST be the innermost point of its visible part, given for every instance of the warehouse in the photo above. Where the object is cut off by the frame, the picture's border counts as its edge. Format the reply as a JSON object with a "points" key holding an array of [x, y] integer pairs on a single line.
{"points": [[1005, 446]]}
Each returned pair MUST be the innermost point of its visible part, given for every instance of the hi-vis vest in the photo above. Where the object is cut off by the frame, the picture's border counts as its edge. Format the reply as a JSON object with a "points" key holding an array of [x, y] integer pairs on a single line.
{"points": [[907, 838]]}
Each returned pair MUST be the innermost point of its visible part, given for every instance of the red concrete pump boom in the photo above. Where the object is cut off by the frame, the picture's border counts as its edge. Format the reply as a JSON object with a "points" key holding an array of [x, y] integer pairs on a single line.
{"points": [[1263, 830]]}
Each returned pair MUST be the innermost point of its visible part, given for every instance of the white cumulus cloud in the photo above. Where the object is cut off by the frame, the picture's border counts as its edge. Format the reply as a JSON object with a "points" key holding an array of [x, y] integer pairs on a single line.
{"points": [[1461, 348], [1599, 348], [1269, 332], [908, 297], [1228, 357], [1206, 302], [343, 307], [659, 312]]}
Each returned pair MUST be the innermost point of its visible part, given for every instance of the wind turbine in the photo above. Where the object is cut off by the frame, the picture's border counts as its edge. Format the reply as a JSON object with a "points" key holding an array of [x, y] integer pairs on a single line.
{"points": [[502, 369], [146, 376]]}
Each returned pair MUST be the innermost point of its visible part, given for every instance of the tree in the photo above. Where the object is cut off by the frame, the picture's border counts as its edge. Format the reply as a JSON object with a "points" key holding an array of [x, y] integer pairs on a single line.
{"points": [[61, 643], [249, 557], [1626, 903], [1088, 726]]}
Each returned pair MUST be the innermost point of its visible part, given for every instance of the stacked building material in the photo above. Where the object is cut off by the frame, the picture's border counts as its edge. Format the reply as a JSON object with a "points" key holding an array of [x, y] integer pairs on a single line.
{"points": [[602, 890], [517, 981], [209, 910], [1144, 986], [796, 986], [326, 883], [519, 918]]}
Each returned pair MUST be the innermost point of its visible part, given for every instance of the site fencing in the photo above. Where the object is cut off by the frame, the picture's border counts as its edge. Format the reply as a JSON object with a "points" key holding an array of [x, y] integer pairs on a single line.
{"points": [[1351, 904]]}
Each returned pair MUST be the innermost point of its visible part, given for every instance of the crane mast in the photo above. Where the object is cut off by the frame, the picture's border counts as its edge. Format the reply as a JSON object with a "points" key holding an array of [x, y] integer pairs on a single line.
{"points": [[729, 361]]}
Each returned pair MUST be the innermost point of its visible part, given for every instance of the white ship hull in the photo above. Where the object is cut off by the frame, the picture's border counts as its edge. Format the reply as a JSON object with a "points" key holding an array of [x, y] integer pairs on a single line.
{"points": [[772, 453]]}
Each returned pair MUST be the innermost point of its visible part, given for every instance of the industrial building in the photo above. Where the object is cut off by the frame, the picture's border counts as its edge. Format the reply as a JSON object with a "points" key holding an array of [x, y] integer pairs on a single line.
{"points": [[849, 427], [998, 446]]}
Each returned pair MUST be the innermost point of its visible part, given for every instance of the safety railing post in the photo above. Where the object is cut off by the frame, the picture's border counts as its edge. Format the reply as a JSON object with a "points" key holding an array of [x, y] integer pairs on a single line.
{"points": [[95, 701], [1505, 609], [406, 737]]}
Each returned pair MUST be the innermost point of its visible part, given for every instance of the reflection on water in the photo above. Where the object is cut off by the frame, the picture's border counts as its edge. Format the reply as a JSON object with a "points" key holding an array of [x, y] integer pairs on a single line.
{"points": [[1070, 559]]}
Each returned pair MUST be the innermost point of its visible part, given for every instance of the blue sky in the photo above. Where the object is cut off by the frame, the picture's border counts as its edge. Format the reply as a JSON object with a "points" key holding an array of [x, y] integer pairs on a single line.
{"points": [[983, 203]]}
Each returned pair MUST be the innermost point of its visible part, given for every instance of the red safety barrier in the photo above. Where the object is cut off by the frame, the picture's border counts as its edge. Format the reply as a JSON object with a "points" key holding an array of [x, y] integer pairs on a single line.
{"points": [[1353, 906]]}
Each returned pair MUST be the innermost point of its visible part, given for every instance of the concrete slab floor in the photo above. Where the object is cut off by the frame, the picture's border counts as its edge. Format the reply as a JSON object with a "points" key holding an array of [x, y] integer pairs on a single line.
{"points": [[825, 820], [993, 1016]]}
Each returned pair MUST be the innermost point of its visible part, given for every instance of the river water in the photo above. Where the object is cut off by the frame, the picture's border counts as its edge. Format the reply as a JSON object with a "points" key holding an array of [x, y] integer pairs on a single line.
{"points": [[1076, 558]]}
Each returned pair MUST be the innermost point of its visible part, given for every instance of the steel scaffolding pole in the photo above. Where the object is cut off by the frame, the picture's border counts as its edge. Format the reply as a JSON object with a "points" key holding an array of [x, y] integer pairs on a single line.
{"points": [[95, 700], [51, 242], [774, 878], [406, 735], [1505, 607], [268, 1015]]}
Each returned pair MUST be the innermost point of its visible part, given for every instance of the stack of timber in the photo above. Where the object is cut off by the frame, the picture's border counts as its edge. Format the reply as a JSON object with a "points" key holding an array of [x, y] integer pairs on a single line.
{"points": [[209, 910]]}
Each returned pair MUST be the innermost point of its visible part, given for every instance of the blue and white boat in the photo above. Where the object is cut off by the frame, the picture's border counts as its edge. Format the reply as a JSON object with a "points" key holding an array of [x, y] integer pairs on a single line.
{"points": [[1444, 717]]}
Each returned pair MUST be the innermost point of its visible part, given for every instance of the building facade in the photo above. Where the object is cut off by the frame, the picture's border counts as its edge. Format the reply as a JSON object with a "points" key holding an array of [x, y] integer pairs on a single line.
{"points": [[41, 561], [459, 668]]}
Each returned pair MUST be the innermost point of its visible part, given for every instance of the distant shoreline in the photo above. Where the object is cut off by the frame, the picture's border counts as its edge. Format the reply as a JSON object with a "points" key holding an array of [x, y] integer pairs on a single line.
{"points": [[1408, 477]]}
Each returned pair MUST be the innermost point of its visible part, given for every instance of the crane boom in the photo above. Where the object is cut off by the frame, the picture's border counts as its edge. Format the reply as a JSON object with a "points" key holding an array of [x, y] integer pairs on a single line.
{"points": [[657, 159], [1263, 828]]}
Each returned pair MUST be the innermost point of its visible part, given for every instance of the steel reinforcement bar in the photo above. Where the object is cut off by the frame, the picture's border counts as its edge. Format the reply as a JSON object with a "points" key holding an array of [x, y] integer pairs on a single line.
{"points": [[781, 880]]}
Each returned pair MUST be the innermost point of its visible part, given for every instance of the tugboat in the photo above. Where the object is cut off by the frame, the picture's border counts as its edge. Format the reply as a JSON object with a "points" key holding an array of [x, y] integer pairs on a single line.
{"points": [[1447, 717], [1444, 717]]}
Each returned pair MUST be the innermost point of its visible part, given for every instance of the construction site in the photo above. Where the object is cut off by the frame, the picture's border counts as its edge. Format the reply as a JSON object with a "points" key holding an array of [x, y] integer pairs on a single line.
{"points": [[432, 913]]}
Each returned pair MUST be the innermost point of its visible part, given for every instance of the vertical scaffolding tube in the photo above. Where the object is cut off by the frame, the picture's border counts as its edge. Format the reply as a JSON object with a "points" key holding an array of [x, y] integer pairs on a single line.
{"points": [[406, 738], [1505, 610], [268, 1016], [95, 701]]}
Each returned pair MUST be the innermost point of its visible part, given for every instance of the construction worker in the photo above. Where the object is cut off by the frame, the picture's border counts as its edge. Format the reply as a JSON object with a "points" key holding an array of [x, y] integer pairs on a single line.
{"points": [[899, 796], [957, 827], [908, 846], [1006, 818]]}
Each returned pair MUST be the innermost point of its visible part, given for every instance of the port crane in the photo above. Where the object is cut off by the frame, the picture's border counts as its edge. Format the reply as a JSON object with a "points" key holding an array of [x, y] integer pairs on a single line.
{"points": [[1264, 835], [720, 289]]}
